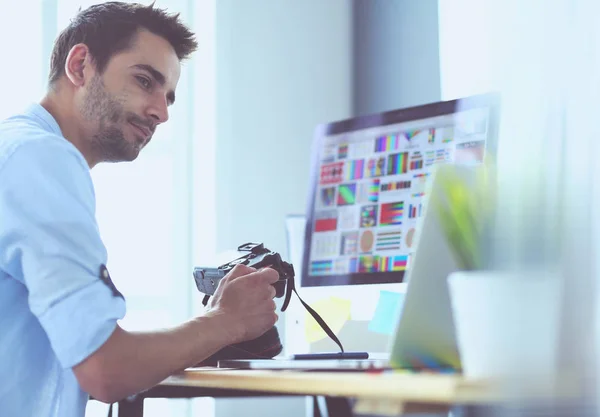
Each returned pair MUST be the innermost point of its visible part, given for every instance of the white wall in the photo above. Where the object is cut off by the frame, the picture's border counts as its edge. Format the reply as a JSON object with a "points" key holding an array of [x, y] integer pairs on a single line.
{"points": [[282, 67]]}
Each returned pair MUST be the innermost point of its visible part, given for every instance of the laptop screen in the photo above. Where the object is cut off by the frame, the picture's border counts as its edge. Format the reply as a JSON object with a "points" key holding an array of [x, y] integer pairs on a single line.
{"points": [[369, 176]]}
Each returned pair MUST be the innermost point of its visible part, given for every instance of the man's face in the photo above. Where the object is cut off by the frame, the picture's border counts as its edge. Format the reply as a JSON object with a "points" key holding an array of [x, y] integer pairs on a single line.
{"points": [[122, 107]]}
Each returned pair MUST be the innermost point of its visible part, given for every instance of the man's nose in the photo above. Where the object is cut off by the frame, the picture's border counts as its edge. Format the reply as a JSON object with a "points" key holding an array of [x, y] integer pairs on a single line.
{"points": [[159, 110]]}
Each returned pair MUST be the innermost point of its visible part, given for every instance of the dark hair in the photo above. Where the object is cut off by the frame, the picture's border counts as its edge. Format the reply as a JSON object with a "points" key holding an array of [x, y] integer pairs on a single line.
{"points": [[110, 27]]}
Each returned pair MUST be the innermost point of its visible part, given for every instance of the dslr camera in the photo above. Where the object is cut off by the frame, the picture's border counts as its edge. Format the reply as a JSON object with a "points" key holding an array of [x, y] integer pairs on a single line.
{"points": [[207, 280]]}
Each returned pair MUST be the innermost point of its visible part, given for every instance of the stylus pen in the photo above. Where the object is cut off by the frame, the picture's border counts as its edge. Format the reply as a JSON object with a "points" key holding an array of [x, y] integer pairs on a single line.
{"points": [[332, 355]]}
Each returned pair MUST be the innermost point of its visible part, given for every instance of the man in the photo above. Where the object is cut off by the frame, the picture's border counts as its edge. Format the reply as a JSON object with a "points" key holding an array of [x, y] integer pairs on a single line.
{"points": [[114, 71]]}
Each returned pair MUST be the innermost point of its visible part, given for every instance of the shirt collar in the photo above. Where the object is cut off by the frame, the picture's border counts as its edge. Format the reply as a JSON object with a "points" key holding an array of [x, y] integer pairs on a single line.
{"points": [[39, 112]]}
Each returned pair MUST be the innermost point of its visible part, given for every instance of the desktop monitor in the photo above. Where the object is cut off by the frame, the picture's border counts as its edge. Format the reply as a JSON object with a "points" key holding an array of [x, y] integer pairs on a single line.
{"points": [[368, 180]]}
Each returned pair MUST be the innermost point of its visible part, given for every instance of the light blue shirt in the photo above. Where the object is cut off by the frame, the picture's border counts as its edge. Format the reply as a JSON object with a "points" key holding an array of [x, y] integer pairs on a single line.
{"points": [[55, 308]]}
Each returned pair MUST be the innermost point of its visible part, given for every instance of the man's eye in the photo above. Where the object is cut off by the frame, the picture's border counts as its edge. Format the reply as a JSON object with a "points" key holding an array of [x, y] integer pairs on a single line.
{"points": [[144, 82]]}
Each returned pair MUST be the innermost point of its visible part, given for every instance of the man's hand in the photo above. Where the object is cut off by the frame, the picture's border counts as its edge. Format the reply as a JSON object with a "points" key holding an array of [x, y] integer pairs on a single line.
{"points": [[244, 302]]}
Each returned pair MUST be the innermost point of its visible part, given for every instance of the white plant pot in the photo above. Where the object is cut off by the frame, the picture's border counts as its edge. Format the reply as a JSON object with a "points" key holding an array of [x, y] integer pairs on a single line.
{"points": [[507, 324]]}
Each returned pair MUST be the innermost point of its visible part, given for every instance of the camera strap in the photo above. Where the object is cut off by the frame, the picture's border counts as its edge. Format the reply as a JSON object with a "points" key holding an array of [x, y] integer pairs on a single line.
{"points": [[317, 317], [308, 308]]}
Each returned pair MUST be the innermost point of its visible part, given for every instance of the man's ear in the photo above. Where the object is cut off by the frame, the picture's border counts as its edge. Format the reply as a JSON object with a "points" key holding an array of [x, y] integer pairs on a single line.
{"points": [[77, 63]]}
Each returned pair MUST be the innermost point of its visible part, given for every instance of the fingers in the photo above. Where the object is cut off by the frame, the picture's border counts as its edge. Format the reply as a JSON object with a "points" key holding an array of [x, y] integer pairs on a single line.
{"points": [[268, 305], [272, 291], [239, 271], [270, 275], [269, 297]]}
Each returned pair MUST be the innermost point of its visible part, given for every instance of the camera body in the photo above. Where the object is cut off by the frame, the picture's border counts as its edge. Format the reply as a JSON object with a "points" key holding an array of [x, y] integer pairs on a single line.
{"points": [[207, 279]]}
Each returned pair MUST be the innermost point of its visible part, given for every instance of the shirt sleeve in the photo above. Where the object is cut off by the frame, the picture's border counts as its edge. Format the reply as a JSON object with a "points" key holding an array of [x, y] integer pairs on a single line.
{"points": [[49, 241]]}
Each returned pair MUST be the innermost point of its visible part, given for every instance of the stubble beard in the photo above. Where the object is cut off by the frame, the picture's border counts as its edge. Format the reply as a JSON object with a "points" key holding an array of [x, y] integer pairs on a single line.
{"points": [[108, 143]]}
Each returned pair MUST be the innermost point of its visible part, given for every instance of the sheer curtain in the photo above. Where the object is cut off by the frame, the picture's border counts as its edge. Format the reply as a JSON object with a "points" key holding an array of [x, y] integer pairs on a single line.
{"points": [[544, 58]]}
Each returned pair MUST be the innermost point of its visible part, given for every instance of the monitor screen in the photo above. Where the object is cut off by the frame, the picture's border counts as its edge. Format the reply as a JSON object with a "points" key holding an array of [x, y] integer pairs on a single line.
{"points": [[369, 176]]}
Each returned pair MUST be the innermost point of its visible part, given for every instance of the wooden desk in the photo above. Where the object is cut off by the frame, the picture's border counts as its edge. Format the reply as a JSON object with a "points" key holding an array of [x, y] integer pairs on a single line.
{"points": [[374, 393]]}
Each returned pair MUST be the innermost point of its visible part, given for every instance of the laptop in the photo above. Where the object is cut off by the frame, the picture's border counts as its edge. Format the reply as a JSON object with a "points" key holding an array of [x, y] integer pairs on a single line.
{"points": [[424, 335]]}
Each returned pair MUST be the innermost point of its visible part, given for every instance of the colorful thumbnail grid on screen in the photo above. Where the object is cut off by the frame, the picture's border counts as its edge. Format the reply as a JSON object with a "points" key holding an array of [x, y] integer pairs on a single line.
{"points": [[370, 193]]}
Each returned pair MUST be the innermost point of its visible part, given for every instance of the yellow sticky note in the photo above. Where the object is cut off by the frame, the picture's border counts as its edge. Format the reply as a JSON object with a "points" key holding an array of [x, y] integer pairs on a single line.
{"points": [[335, 311]]}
